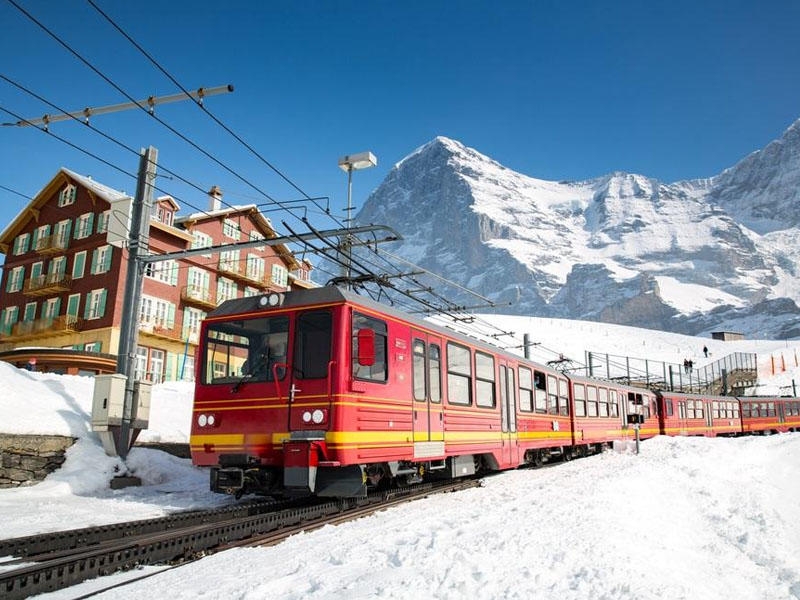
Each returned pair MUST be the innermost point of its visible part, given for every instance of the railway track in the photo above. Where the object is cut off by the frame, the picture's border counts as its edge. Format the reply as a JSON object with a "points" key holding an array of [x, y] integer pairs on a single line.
{"points": [[56, 561]]}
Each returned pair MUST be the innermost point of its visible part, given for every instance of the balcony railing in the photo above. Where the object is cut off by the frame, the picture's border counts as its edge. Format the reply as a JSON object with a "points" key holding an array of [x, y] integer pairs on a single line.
{"points": [[43, 285], [51, 244], [43, 327], [194, 294]]}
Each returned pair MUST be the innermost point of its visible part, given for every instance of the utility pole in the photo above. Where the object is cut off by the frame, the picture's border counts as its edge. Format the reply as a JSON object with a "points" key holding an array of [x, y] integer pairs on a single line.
{"points": [[138, 244]]}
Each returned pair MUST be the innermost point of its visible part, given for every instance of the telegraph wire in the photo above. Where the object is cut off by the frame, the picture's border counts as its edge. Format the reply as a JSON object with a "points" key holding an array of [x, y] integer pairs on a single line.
{"points": [[203, 108], [137, 103]]}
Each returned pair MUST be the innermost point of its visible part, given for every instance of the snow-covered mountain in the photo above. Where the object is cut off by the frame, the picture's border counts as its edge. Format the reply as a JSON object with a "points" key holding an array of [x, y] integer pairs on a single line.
{"points": [[693, 256]]}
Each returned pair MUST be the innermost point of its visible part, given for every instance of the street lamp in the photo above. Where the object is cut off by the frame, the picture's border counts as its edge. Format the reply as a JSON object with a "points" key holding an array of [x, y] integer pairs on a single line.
{"points": [[350, 163]]}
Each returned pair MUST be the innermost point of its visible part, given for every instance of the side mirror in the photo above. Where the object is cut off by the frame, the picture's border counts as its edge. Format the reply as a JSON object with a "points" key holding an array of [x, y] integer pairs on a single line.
{"points": [[366, 347]]}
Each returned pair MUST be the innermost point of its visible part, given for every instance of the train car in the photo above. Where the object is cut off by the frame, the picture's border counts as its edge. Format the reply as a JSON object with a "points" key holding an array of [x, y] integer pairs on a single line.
{"points": [[544, 426], [323, 391], [644, 404], [765, 415], [698, 415]]}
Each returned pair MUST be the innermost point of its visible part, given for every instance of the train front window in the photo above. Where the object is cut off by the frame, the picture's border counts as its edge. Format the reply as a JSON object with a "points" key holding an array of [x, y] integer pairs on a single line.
{"points": [[246, 350]]}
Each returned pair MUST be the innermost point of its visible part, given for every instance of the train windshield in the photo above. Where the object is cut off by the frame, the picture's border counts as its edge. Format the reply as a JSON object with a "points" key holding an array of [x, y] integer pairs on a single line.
{"points": [[247, 350]]}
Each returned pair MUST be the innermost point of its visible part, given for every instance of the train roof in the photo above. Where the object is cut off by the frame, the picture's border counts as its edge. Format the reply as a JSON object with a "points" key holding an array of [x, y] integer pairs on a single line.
{"points": [[336, 295]]}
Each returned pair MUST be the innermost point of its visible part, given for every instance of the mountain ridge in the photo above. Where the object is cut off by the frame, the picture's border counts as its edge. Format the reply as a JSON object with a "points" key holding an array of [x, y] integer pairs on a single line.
{"points": [[621, 248]]}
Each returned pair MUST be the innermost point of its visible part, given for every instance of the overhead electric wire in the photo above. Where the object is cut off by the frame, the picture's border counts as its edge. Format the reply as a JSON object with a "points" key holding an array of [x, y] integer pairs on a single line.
{"points": [[200, 104], [137, 103]]}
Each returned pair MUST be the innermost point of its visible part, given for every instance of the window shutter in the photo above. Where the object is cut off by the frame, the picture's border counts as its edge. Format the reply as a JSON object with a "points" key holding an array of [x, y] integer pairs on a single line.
{"points": [[57, 307], [93, 269], [107, 259], [78, 265], [88, 305], [174, 274], [101, 306], [36, 270], [171, 315], [89, 224]]}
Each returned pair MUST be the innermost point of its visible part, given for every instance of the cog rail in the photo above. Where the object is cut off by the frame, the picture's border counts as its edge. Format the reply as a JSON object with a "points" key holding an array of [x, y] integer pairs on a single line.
{"points": [[187, 538]]}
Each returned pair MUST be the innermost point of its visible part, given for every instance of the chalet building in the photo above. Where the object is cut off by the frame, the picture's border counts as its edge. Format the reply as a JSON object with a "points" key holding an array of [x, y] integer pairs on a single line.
{"points": [[63, 279]]}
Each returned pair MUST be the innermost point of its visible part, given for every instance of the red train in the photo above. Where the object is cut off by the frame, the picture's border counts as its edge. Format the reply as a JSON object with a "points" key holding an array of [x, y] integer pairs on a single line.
{"points": [[326, 392]]}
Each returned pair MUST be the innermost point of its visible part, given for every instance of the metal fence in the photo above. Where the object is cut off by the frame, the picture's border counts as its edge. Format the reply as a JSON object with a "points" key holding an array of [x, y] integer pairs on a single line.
{"points": [[719, 377]]}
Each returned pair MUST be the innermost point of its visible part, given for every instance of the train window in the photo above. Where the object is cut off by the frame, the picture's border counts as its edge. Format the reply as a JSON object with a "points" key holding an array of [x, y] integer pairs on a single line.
{"points": [[613, 403], [681, 410], [540, 391], [563, 397], [668, 407], [418, 374], [459, 375], [484, 380], [552, 395], [378, 371], [579, 391], [746, 409], [603, 406], [735, 410], [246, 350], [770, 409], [591, 401], [435, 372], [525, 390]]}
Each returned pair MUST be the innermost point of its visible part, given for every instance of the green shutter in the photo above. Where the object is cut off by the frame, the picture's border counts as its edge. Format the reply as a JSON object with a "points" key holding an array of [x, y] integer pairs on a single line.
{"points": [[57, 307], [101, 307], [36, 270], [93, 269], [73, 302], [87, 306], [90, 224], [79, 265], [107, 260], [171, 315]]}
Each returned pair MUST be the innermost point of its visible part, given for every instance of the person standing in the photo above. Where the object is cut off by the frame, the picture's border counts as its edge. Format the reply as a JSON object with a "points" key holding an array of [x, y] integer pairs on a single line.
{"points": [[705, 351]]}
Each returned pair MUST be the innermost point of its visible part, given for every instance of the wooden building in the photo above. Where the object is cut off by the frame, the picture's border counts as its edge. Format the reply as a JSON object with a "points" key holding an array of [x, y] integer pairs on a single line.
{"points": [[64, 274]]}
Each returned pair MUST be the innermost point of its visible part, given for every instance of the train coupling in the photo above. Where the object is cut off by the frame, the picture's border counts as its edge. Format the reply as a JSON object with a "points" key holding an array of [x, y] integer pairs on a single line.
{"points": [[227, 480]]}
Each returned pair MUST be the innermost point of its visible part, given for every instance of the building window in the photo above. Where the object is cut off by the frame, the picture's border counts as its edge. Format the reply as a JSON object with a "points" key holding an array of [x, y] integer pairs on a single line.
{"points": [[164, 214], [21, 244], [186, 368], [101, 260], [67, 195], [165, 271], [156, 365], [83, 226], [16, 277], [226, 289], [230, 228], [41, 237], [79, 264], [280, 276], [95, 304], [157, 312], [51, 308], [63, 229], [201, 240], [140, 368], [30, 312], [10, 317], [102, 221], [257, 235], [255, 267]]}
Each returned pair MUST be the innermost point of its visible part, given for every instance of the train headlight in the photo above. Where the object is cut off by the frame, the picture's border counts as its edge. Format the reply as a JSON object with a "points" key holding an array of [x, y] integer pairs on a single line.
{"points": [[202, 420], [307, 417], [211, 420], [318, 416]]}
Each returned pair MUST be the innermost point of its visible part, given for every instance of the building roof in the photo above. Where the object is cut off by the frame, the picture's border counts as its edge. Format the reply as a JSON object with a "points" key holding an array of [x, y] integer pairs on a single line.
{"points": [[31, 211]]}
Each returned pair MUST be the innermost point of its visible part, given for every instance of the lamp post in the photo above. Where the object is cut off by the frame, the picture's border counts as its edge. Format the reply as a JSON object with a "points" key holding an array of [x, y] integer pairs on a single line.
{"points": [[350, 163]]}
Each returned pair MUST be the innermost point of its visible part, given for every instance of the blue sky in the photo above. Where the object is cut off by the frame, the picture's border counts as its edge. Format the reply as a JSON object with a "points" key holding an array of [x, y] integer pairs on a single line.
{"points": [[556, 90]]}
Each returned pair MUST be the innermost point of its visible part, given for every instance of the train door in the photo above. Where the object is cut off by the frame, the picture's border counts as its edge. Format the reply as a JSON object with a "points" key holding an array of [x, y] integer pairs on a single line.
{"points": [[308, 371], [508, 414], [428, 416]]}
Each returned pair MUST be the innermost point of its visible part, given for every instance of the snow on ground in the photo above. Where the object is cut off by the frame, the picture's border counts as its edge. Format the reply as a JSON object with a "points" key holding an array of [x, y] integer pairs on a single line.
{"points": [[687, 518]]}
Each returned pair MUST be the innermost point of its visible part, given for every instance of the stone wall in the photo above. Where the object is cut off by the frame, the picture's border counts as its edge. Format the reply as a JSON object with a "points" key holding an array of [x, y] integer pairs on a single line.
{"points": [[27, 459]]}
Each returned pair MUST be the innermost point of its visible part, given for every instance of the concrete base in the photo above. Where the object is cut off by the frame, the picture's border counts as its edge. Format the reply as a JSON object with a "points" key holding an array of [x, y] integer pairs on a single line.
{"points": [[125, 481]]}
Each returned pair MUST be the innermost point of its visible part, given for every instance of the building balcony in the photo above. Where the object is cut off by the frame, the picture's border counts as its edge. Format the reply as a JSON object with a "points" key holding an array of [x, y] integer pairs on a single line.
{"points": [[40, 328], [237, 270], [51, 244], [198, 296], [46, 285]]}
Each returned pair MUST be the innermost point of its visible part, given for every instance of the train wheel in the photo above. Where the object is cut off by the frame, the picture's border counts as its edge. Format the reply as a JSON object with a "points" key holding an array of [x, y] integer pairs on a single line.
{"points": [[567, 452]]}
